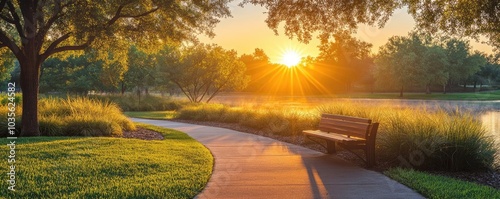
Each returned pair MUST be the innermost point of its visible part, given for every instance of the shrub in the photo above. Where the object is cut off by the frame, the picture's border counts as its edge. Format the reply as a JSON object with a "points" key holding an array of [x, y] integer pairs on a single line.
{"points": [[422, 139], [88, 126], [75, 117], [130, 102], [417, 138], [4, 99], [277, 121]]}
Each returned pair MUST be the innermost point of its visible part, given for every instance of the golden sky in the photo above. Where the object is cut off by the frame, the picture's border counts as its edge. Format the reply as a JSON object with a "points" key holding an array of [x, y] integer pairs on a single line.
{"points": [[247, 30]]}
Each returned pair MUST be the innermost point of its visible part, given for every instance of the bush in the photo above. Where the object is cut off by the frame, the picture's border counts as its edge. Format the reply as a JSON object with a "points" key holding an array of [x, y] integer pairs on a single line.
{"points": [[145, 103], [417, 138], [4, 99], [277, 121], [75, 117], [427, 140]]}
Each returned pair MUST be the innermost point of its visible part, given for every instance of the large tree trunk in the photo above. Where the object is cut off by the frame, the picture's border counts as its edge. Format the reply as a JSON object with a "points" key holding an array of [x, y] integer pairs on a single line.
{"points": [[401, 91], [30, 74], [428, 89], [444, 88]]}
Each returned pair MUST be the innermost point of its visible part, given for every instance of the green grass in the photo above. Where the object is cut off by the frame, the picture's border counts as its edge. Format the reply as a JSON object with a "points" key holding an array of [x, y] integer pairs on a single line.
{"points": [[76, 116], [130, 102], [98, 167], [435, 186], [416, 138], [425, 139], [152, 114]]}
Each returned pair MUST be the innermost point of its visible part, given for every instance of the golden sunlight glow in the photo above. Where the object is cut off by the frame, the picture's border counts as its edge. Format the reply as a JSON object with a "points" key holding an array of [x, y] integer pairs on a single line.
{"points": [[290, 58]]}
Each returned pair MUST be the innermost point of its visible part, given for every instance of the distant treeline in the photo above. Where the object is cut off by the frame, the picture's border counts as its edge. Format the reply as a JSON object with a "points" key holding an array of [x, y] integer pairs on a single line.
{"points": [[415, 63]]}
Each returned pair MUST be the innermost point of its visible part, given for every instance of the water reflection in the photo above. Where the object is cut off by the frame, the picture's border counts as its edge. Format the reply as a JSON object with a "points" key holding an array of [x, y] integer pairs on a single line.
{"points": [[491, 121]]}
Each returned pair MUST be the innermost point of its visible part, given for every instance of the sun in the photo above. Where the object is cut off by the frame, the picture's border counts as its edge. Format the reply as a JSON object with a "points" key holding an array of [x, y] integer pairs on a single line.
{"points": [[290, 58]]}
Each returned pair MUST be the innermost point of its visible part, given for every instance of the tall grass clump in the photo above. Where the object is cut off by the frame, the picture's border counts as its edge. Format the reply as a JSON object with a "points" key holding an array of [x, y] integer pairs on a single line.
{"points": [[422, 139], [77, 116], [275, 120], [4, 99], [130, 102]]}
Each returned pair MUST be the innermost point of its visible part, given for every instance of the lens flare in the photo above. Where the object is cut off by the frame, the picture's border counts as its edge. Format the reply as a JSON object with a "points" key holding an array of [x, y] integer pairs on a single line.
{"points": [[290, 58]]}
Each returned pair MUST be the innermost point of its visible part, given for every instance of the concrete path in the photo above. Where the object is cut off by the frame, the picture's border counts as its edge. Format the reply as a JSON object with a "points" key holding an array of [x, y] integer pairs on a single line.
{"points": [[252, 166]]}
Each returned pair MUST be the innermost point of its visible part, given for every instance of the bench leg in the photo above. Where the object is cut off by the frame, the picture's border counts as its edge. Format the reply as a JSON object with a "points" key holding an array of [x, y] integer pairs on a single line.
{"points": [[370, 158], [330, 147]]}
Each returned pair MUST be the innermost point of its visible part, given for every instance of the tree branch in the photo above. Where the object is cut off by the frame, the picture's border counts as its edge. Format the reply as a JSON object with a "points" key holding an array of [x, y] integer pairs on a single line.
{"points": [[53, 49], [56, 15], [118, 14], [57, 42], [6, 41], [17, 20], [7, 19], [2, 4], [67, 48], [182, 89], [141, 15]]}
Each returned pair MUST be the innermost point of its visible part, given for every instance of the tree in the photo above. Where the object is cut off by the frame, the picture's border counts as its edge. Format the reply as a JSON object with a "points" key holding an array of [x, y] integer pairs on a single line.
{"points": [[34, 30], [202, 71], [399, 61], [302, 18], [436, 66], [459, 17], [141, 71], [259, 69], [74, 74], [489, 73], [344, 61], [463, 63]]}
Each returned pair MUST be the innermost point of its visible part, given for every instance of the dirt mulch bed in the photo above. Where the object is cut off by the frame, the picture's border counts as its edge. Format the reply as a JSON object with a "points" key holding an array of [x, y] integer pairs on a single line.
{"points": [[489, 178], [143, 134]]}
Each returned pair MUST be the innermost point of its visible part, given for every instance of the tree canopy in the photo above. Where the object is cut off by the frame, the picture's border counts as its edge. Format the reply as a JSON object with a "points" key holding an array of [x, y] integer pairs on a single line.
{"points": [[418, 60], [34, 30], [202, 71], [302, 18]]}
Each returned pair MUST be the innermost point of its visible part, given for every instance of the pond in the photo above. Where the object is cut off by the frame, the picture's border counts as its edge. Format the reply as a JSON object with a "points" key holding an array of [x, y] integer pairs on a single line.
{"points": [[491, 121]]}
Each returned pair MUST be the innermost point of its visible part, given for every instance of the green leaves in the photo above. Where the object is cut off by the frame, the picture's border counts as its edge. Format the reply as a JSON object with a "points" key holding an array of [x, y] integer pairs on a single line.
{"points": [[303, 18], [202, 71]]}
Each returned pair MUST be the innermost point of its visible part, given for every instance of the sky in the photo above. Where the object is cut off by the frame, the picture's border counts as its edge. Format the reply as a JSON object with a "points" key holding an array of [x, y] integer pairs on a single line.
{"points": [[247, 30]]}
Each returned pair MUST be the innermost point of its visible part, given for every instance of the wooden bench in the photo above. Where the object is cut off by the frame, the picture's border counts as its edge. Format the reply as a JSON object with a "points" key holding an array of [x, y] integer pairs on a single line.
{"points": [[348, 132]]}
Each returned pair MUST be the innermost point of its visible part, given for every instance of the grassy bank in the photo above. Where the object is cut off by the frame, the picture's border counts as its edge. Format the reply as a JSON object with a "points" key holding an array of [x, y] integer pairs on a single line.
{"points": [[74, 117], [416, 138], [98, 167], [435, 186]]}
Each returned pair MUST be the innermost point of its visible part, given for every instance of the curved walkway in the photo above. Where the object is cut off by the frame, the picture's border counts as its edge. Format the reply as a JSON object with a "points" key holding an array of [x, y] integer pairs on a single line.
{"points": [[252, 166]]}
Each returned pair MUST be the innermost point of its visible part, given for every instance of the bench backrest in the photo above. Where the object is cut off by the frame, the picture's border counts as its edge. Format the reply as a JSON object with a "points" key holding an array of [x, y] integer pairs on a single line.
{"points": [[351, 126]]}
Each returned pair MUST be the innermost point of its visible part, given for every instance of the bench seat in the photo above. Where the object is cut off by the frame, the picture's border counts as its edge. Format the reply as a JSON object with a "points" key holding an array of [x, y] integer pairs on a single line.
{"points": [[348, 132], [334, 136]]}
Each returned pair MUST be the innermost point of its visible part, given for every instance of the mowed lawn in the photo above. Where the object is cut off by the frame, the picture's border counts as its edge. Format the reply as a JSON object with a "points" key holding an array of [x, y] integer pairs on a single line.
{"points": [[157, 115], [103, 167]]}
